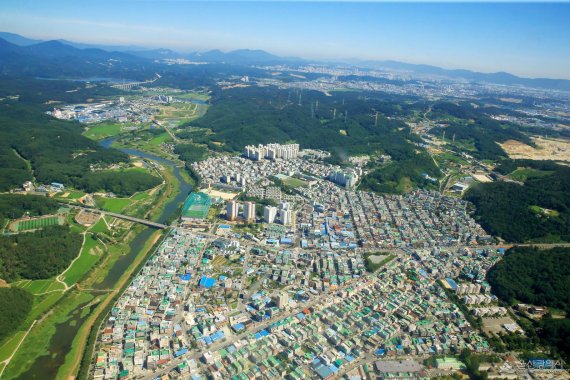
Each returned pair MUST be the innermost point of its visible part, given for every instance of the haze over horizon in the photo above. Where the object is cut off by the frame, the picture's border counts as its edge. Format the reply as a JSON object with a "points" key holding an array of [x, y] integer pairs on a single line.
{"points": [[525, 39]]}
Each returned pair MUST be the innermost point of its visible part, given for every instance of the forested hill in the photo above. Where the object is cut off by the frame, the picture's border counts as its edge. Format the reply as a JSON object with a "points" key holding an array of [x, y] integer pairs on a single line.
{"points": [[38, 255], [13, 206], [33, 144], [530, 275], [475, 130], [538, 210], [343, 124], [538, 277]]}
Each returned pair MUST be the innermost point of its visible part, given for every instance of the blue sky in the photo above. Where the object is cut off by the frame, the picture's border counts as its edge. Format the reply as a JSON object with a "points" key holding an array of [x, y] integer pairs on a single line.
{"points": [[527, 39]]}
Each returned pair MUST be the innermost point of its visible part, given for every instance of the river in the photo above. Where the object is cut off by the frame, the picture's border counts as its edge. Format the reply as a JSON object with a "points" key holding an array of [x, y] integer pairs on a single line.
{"points": [[46, 367]]}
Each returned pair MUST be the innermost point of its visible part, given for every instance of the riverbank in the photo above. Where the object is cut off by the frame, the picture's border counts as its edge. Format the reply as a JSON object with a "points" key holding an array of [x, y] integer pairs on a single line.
{"points": [[56, 345]]}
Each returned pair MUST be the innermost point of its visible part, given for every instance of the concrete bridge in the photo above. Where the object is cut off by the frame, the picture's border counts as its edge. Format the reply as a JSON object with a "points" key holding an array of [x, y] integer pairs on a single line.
{"points": [[121, 216]]}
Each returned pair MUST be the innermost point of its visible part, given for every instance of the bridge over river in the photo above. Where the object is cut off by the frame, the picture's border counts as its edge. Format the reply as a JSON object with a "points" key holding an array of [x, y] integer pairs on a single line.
{"points": [[122, 216]]}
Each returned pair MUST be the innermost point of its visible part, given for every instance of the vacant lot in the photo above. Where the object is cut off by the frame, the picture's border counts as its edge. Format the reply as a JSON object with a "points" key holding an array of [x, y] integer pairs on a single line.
{"points": [[547, 149], [495, 325]]}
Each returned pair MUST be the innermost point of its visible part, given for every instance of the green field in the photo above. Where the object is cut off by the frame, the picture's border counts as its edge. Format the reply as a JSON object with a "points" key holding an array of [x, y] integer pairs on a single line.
{"points": [[100, 226], [34, 224], [113, 204], [140, 196], [291, 181], [87, 258], [39, 286], [101, 131], [163, 137], [522, 174], [10, 345]]}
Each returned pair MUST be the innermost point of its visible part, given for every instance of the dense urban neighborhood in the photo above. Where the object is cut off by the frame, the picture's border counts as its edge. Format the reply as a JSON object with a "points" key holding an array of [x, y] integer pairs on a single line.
{"points": [[171, 212]]}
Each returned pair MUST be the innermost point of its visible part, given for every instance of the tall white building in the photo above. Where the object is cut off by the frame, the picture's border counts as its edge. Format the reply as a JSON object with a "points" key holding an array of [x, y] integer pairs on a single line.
{"points": [[269, 214], [249, 211], [271, 151], [282, 300], [285, 213], [232, 209], [347, 178]]}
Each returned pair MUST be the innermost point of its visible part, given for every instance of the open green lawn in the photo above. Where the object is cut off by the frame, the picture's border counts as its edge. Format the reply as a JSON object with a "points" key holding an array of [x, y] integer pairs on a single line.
{"points": [[113, 204], [140, 196], [103, 130], [191, 95], [163, 137], [100, 227], [39, 286], [522, 174], [75, 194], [9, 345], [87, 258], [293, 182]]}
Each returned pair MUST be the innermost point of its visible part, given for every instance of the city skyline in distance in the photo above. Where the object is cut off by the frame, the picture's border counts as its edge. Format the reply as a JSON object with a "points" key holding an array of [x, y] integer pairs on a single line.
{"points": [[525, 39]]}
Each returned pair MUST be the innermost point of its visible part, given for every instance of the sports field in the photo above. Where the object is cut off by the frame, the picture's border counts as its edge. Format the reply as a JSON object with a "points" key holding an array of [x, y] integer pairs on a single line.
{"points": [[291, 181], [34, 224], [196, 206]]}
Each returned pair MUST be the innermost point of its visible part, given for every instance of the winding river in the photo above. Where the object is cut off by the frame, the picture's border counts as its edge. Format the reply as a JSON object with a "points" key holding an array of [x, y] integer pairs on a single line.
{"points": [[46, 367]]}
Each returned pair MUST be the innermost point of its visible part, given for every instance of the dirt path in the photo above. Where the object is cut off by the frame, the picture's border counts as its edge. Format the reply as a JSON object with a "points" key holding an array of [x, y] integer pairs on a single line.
{"points": [[7, 361], [60, 276]]}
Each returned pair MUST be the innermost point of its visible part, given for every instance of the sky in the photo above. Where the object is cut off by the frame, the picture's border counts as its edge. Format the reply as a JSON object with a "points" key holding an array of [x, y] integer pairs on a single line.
{"points": [[526, 39]]}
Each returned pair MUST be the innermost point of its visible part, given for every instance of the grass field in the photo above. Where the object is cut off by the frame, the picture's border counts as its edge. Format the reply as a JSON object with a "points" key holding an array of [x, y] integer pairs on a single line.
{"points": [[163, 137], [101, 131], [113, 204], [39, 286], [140, 196], [293, 182], [88, 257], [10, 344], [100, 227], [522, 174], [34, 224]]}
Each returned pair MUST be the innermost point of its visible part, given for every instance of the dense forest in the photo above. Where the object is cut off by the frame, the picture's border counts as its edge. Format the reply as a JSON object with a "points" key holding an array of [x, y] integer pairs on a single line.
{"points": [[38, 255], [13, 206], [121, 182], [15, 304], [498, 204], [472, 127], [530, 275], [538, 277]]}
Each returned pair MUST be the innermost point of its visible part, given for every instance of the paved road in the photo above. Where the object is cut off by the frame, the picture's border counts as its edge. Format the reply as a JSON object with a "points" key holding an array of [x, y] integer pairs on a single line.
{"points": [[321, 301]]}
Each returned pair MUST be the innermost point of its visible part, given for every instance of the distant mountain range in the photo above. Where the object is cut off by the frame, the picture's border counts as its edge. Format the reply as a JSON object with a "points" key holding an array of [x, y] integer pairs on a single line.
{"points": [[21, 55]]}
